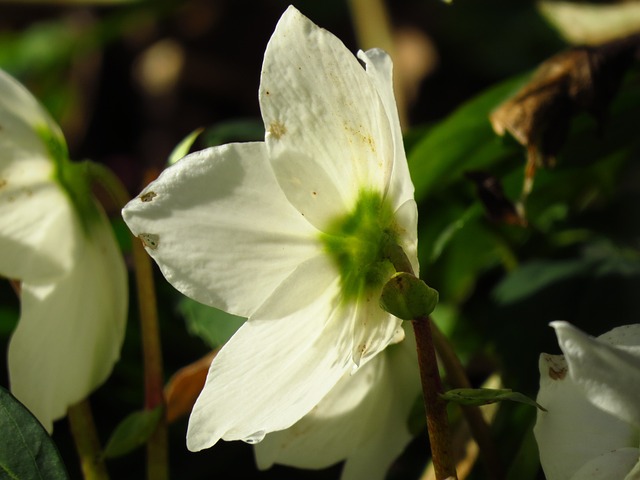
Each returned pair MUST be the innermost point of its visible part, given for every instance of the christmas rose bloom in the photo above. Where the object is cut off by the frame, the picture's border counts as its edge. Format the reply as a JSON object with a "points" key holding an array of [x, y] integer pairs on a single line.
{"points": [[290, 232], [56, 240], [591, 430]]}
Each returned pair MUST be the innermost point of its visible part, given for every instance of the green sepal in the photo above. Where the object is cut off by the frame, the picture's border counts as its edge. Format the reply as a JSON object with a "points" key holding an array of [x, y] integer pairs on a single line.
{"points": [[133, 432], [74, 178], [485, 396], [26, 449], [407, 297]]}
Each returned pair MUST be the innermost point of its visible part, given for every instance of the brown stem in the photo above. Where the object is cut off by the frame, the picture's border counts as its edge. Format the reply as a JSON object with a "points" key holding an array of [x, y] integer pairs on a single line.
{"points": [[157, 445], [435, 407], [457, 377]]}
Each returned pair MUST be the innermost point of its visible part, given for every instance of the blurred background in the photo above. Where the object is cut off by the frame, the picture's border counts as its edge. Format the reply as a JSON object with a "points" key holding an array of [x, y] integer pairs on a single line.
{"points": [[127, 80]]}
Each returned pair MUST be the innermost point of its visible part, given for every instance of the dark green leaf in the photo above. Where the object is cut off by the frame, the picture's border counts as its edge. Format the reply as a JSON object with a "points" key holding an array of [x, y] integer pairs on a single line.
{"points": [[213, 326], [463, 141], [133, 432], [26, 450]]}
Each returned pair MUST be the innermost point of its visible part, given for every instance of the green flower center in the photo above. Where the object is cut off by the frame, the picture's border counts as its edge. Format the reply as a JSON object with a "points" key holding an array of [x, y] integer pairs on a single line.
{"points": [[357, 243], [72, 177]]}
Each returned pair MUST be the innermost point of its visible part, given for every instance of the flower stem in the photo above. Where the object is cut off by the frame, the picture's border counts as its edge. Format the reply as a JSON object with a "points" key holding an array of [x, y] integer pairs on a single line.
{"points": [[435, 407], [157, 445], [83, 430], [457, 377]]}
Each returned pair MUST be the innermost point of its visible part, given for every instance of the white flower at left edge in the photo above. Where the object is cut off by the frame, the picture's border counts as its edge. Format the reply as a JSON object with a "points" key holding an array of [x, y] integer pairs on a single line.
{"points": [[364, 420], [56, 240], [591, 429], [292, 233]]}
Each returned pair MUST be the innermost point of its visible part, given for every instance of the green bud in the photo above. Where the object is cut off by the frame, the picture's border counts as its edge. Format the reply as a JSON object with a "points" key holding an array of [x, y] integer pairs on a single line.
{"points": [[407, 297]]}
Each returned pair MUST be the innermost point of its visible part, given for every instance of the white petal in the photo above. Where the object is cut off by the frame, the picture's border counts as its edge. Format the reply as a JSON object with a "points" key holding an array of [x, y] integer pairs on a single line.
{"points": [[271, 373], [319, 105], [573, 430], [37, 223], [373, 328], [220, 228], [35, 213], [20, 116], [70, 330], [363, 420], [614, 465], [608, 375], [380, 69], [406, 217]]}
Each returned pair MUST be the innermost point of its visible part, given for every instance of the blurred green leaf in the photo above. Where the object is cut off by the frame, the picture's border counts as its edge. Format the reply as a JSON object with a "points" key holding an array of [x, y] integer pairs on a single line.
{"points": [[213, 326], [182, 149], [26, 449], [133, 432], [597, 259]]}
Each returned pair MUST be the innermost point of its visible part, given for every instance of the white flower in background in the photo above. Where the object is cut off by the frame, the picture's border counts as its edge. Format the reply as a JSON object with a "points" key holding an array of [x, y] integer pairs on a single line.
{"points": [[55, 239], [592, 393], [363, 419], [289, 232]]}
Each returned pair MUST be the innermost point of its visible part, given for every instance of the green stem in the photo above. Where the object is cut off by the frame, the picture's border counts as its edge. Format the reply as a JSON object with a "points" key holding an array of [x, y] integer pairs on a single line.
{"points": [[83, 430], [157, 445]]}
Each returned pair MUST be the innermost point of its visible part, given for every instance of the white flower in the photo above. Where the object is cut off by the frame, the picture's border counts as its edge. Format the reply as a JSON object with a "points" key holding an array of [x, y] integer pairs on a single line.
{"points": [[289, 232], [56, 240], [592, 393], [363, 419]]}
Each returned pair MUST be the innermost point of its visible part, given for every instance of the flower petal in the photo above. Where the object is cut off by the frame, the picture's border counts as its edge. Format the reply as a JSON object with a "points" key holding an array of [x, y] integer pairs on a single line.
{"points": [[220, 228], [373, 328], [380, 69], [319, 105], [71, 329], [33, 209], [406, 217], [37, 223], [608, 375], [270, 374], [614, 465], [21, 116], [573, 430], [363, 419]]}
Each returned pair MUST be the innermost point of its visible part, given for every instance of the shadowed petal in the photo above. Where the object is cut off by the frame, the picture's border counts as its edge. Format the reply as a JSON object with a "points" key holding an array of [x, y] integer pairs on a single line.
{"points": [[608, 375], [70, 330], [614, 465], [363, 420], [35, 213], [220, 228], [572, 431]]}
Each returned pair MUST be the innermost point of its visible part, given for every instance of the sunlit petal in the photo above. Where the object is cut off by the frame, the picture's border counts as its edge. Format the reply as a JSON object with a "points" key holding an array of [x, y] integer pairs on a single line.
{"points": [[240, 400], [220, 228], [380, 69], [318, 102]]}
